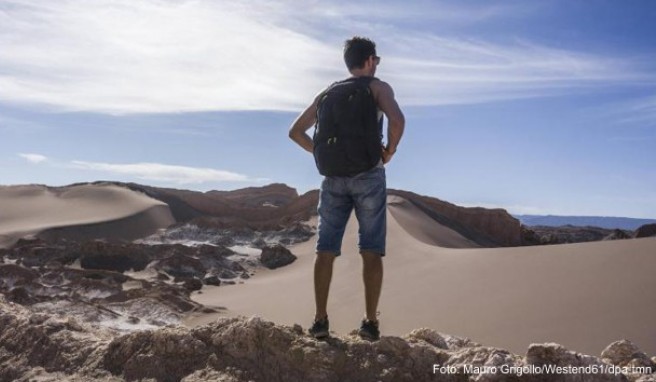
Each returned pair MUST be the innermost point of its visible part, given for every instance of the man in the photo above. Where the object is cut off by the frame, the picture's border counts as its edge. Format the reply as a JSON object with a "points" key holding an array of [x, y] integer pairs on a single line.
{"points": [[365, 192]]}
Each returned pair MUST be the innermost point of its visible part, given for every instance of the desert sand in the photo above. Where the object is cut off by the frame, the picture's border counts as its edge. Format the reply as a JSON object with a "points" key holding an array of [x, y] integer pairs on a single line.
{"points": [[583, 296], [78, 212]]}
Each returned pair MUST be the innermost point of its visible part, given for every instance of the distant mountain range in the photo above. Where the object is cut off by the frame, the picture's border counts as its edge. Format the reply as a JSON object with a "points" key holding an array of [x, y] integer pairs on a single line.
{"points": [[583, 221]]}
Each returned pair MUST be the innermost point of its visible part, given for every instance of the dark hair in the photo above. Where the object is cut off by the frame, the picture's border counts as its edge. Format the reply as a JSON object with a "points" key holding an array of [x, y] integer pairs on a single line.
{"points": [[357, 50]]}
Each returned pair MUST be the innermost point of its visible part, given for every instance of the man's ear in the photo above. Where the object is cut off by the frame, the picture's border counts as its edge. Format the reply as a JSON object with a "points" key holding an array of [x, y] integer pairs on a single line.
{"points": [[369, 63]]}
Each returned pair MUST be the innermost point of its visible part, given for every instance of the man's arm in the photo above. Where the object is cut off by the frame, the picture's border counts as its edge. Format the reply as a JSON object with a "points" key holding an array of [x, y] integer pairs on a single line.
{"points": [[298, 131], [384, 96]]}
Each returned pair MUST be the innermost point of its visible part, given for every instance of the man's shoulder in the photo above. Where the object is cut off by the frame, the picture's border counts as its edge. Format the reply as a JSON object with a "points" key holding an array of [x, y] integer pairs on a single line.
{"points": [[379, 87], [377, 83]]}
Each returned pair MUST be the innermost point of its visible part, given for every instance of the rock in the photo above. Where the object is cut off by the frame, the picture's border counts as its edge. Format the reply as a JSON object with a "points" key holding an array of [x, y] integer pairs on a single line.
{"points": [[192, 284], [251, 349], [227, 274], [626, 353], [259, 243], [276, 256], [236, 267], [212, 280], [429, 336], [646, 230], [555, 354], [543, 235], [15, 275], [20, 295], [116, 257], [36, 252], [180, 266], [617, 234]]}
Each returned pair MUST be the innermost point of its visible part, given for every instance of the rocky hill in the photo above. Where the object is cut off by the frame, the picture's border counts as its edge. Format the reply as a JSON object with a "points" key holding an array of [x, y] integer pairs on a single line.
{"points": [[278, 206], [542, 235], [607, 222], [647, 230], [486, 227]]}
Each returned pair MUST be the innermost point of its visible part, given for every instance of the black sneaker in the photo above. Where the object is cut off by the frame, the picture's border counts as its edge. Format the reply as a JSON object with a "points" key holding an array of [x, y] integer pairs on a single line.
{"points": [[319, 328], [369, 330]]}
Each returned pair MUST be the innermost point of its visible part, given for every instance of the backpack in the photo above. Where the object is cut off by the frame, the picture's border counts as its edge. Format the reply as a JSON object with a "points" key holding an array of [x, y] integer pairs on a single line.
{"points": [[348, 134]]}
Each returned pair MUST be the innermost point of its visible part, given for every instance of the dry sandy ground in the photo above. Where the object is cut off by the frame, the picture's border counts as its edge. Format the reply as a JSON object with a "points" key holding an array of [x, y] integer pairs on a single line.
{"points": [[85, 211], [583, 296]]}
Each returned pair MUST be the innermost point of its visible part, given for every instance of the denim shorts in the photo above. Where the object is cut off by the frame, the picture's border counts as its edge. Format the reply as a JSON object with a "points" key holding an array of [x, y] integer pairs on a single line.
{"points": [[339, 196]]}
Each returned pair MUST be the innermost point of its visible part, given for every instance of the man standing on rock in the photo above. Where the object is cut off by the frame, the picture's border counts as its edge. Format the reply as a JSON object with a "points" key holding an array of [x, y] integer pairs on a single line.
{"points": [[349, 152]]}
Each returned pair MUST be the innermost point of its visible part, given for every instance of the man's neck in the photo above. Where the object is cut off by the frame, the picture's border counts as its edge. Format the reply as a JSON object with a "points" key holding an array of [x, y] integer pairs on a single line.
{"points": [[361, 73]]}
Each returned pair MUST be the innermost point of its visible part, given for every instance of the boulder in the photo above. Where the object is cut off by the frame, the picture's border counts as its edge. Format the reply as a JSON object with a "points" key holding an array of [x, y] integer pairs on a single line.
{"points": [[626, 353], [212, 280], [192, 284], [276, 256]]}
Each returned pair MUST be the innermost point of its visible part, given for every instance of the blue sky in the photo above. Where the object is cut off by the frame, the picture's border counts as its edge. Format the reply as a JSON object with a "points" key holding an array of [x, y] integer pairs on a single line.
{"points": [[544, 107]]}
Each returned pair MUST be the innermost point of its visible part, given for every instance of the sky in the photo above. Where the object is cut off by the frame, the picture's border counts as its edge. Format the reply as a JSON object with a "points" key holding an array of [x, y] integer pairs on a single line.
{"points": [[538, 107]]}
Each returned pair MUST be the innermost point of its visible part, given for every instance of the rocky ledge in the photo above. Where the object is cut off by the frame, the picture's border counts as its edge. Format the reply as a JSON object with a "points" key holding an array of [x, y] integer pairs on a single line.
{"points": [[123, 286], [35, 346]]}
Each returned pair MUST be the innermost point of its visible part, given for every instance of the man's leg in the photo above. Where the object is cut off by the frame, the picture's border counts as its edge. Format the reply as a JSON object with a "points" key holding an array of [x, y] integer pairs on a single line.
{"points": [[372, 275], [334, 210], [323, 273]]}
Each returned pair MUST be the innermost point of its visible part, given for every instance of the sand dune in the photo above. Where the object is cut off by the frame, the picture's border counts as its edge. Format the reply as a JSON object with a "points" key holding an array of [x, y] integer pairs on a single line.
{"points": [[583, 296], [84, 211], [423, 228]]}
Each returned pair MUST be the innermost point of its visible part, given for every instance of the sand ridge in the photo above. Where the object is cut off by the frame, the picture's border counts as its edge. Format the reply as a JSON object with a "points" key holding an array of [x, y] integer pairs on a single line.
{"points": [[81, 210], [583, 296]]}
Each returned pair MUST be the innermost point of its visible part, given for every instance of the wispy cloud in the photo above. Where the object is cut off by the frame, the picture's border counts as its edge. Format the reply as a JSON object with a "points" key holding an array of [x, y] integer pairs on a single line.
{"points": [[165, 173], [33, 158], [641, 111], [158, 172], [119, 56], [438, 70]]}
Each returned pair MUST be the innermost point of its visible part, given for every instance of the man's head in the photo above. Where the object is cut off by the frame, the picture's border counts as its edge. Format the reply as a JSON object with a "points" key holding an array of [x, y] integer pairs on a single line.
{"points": [[360, 54]]}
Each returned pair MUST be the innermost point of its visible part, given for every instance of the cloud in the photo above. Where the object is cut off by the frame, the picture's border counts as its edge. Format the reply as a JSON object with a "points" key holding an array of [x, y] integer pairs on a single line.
{"points": [[155, 56], [118, 56], [33, 158], [149, 171], [438, 70], [641, 111], [165, 173]]}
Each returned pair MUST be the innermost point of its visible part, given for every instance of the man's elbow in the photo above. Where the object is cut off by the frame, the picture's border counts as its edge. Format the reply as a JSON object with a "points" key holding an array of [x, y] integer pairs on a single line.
{"points": [[293, 134]]}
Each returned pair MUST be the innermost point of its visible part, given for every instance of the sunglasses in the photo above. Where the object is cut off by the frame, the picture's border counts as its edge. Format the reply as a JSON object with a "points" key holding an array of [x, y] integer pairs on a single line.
{"points": [[377, 59]]}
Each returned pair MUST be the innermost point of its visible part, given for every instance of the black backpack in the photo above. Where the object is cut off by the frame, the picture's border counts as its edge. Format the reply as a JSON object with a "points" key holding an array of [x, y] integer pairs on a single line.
{"points": [[348, 134]]}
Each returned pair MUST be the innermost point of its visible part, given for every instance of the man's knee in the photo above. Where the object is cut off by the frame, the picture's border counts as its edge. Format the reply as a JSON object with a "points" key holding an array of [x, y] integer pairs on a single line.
{"points": [[371, 257], [325, 257]]}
